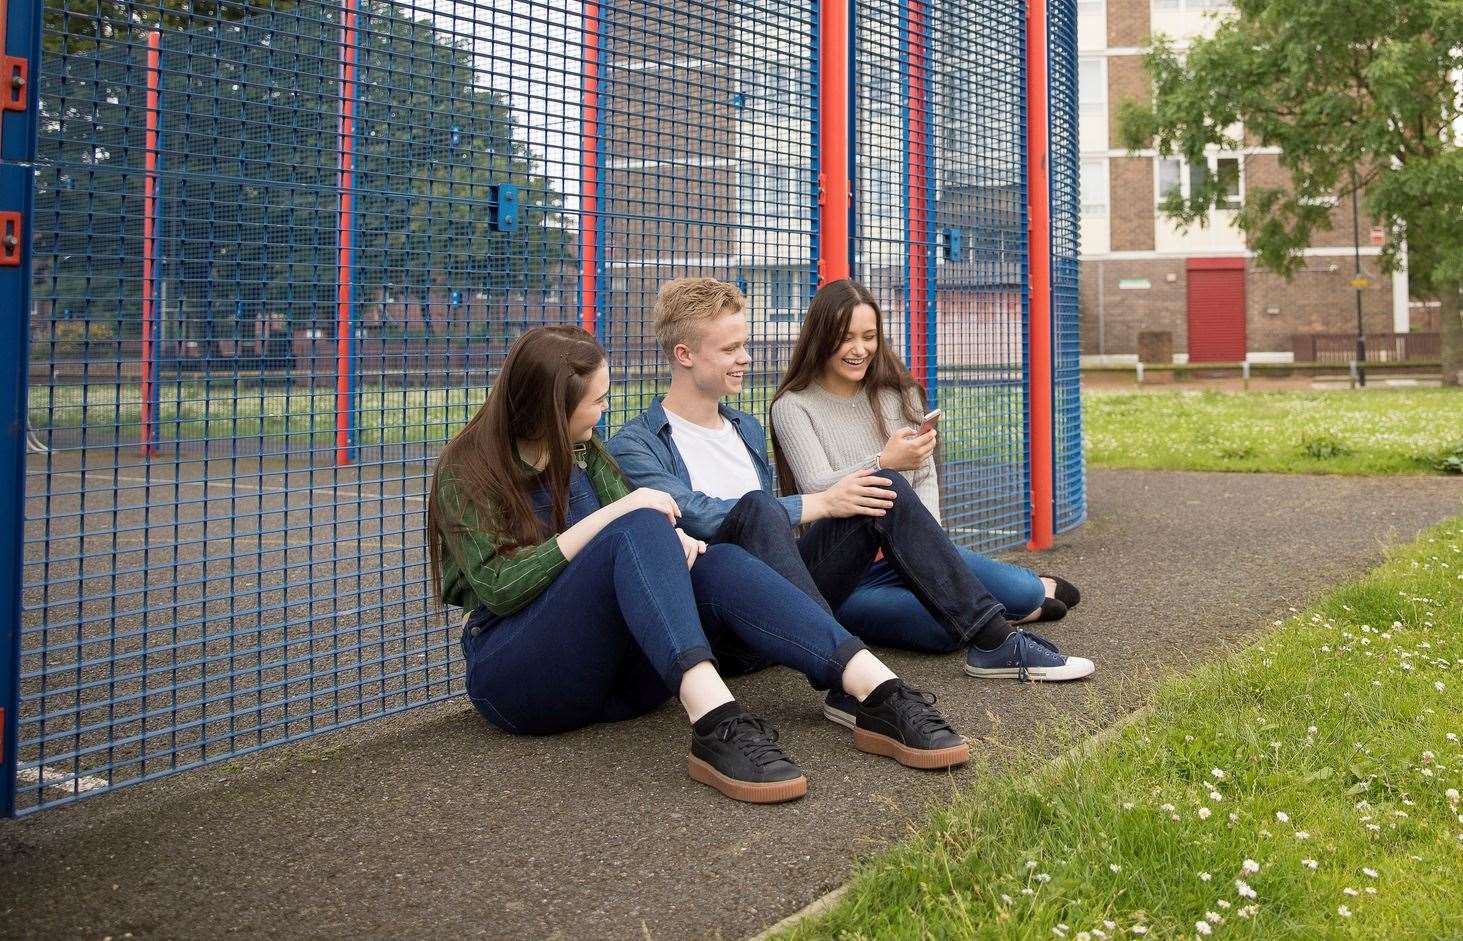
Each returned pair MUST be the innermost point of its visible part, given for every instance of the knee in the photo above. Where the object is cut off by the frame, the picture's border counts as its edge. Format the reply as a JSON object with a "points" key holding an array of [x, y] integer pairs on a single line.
{"points": [[759, 505], [642, 524], [904, 496]]}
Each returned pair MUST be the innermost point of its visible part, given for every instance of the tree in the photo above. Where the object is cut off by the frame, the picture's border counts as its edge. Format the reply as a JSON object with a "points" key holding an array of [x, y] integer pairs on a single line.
{"points": [[248, 191], [1359, 96]]}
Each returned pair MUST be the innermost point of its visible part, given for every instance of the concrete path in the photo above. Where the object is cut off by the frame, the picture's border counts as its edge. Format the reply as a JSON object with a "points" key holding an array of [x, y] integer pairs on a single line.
{"points": [[433, 825]]}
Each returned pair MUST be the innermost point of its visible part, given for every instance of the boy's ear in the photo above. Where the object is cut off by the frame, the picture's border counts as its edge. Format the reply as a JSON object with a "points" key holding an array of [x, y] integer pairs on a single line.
{"points": [[681, 355]]}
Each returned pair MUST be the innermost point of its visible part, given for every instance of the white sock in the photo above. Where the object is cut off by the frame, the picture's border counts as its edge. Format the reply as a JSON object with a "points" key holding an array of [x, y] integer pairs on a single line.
{"points": [[863, 675], [702, 690]]}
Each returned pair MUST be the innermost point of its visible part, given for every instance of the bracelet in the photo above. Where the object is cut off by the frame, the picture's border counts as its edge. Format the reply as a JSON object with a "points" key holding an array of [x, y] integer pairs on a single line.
{"points": [[877, 464]]}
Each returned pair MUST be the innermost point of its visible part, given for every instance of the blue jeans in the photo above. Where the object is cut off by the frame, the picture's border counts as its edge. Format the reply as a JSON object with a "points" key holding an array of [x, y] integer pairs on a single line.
{"points": [[883, 610], [612, 635], [834, 559]]}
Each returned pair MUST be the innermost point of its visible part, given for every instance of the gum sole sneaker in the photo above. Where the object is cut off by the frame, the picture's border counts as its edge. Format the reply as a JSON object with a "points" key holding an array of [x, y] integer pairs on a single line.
{"points": [[751, 792], [740, 758], [908, 728], [840, 709], [1026, 656]]}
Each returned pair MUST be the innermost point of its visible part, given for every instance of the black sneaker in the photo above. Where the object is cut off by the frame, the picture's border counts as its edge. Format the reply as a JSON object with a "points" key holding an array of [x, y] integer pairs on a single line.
{"points": [[907, 727], [740, 757]]}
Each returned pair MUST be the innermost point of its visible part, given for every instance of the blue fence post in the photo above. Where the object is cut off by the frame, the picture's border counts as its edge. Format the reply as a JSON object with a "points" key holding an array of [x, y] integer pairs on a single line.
{"points": [[20, 41]]}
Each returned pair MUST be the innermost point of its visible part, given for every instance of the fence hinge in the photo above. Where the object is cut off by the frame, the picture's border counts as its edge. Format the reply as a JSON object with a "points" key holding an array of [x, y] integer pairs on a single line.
{"points": [[9, 239], [16, 73], [822, 189]]}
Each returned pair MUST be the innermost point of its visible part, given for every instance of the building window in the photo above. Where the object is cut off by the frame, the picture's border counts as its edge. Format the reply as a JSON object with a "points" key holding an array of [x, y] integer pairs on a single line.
{"points": [[1092, 89], [1175, 176], [785, 294], [782, 89], [774, 191], [1094, 189]]}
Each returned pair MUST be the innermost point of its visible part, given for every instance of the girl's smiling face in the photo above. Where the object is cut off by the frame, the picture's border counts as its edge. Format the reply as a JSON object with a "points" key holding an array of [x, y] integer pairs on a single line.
{"points": [[845, 370]]}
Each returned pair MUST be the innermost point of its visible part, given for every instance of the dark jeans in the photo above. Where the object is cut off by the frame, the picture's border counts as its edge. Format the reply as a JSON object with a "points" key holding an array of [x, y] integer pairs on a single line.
{"points": [[612, 635], [833, 558]]}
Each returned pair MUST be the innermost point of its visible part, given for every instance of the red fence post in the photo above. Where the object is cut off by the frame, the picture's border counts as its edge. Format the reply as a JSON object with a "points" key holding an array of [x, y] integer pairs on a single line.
{"points": [[589, 176], [835, 191], [344, 342], [150, 249], [1039, 369]]}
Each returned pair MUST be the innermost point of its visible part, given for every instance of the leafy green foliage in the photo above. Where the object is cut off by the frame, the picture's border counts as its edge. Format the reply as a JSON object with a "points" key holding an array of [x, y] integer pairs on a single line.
{"points": [[1358, 95]]}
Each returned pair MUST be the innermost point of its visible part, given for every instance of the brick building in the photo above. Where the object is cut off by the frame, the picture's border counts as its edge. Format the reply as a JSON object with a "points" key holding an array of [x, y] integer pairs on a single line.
{"points": [[1140, 273]]}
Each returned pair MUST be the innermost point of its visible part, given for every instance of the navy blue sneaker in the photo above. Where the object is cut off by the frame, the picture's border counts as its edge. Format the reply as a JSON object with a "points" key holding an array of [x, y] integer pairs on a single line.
{"points": [[1026, 656], [840, 708]]}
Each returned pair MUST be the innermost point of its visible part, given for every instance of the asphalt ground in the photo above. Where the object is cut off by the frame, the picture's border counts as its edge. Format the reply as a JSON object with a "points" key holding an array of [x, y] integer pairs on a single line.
{"points": [[432, 824]]}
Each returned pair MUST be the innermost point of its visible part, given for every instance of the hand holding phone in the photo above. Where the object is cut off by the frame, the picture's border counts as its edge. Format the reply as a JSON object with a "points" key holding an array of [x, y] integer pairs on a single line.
{"points": [[927, 424]]}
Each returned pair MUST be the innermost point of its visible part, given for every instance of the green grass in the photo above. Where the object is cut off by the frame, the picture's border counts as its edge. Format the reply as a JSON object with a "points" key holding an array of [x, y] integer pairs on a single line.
{"points": [[981, 424], [1346, 721], [1379, 431]]}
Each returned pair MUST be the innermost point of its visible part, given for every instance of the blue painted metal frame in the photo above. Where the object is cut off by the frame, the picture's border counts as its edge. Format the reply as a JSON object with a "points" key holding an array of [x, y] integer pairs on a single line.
{"points": [[17, 194]]}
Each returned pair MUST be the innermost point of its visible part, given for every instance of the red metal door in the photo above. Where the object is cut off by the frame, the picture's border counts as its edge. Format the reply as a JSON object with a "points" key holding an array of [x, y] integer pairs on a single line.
{"points": [[1216, 310]]}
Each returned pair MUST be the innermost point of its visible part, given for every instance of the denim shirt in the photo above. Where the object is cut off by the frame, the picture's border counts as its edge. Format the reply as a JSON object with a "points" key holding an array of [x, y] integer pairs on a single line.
{"points": [[648, 458]]}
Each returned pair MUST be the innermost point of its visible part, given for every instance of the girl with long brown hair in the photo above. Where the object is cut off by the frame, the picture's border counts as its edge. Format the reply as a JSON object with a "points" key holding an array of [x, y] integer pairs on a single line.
{"points": [[846, 403], [587, 604]]}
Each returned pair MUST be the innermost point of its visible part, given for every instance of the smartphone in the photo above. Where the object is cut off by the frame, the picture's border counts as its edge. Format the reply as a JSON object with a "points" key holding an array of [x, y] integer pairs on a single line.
{"points": [[928, 423]]}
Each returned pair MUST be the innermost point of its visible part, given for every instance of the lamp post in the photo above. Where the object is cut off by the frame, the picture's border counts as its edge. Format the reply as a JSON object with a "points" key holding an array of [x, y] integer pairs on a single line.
{"points": [[1358, 282]]}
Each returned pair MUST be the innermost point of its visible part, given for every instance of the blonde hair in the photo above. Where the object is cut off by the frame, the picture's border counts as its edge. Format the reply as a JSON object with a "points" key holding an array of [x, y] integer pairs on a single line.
{"points": [[684, 304]]}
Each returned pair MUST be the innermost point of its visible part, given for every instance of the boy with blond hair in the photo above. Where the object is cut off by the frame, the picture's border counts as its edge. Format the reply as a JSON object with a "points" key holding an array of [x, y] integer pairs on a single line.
{"points": [[712, 459]]}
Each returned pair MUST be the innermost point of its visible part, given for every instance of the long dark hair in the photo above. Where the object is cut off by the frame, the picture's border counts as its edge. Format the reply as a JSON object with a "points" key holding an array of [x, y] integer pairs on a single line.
{"points": [[822, 333], [541, 383]]}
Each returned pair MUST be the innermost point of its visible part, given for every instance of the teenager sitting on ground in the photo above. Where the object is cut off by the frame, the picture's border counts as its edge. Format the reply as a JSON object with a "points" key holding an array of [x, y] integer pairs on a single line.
{"points": [[713, 460], [589, 605], [847, 405]]}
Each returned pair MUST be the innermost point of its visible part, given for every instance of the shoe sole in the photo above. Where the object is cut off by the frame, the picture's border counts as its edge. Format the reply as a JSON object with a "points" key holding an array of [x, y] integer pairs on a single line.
{"points": [[751, 792], [924, 758], [1063, 674], [839, 717]]}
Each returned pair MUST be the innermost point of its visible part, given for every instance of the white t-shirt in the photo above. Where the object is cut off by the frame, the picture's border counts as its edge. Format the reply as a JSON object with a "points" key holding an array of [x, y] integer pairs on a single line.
{"points": [[719, 463]]}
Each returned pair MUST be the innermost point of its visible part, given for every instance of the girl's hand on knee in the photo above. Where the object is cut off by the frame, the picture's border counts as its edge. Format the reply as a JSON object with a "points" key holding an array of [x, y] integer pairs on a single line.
{"points": [[692, 547], [646, 498]]}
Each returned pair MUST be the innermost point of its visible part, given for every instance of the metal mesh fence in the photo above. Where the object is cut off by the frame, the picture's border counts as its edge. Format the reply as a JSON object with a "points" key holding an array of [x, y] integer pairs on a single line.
{"points": [[1069, 490], [941, 234], [278, 256], [280, 252]]}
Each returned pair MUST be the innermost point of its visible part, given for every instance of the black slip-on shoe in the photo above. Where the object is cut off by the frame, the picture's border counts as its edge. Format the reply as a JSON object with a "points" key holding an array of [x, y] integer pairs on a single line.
{"points": [[907, 727], [740, 757], [1067, 593], [1052, 609]]}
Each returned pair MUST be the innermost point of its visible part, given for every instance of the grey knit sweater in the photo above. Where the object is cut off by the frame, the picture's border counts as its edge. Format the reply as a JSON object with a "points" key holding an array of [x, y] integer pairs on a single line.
{"points": [[825, 437]]}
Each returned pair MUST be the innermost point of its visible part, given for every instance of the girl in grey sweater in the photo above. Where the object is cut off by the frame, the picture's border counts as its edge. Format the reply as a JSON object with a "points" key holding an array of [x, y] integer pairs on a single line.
{"points": [[847, 402]]}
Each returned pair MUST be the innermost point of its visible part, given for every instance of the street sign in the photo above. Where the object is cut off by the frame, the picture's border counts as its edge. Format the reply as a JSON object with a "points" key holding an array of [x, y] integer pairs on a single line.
{"points": [[1361, 282]]}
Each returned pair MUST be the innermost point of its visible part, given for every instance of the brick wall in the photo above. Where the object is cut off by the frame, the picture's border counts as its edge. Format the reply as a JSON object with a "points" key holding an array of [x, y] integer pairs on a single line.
{"points": [[1317, 300], [1128, 23], [1131, 200]]}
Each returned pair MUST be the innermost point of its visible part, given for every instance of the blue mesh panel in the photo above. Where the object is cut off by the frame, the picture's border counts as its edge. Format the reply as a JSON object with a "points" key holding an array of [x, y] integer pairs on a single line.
{"points": [[262, 306], [974, 179], [1069, 487]]}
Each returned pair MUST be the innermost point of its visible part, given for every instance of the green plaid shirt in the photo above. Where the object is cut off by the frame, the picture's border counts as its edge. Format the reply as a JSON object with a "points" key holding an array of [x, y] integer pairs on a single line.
{"points": [[474, 570]]}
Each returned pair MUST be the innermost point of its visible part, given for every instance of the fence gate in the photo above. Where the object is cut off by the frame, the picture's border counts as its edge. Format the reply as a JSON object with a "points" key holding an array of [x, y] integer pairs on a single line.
{"points": [[268, 258]]}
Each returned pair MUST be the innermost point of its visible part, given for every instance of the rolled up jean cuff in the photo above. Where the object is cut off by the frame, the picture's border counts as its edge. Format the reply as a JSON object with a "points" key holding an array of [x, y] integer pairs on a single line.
{"points": [[685, 661], [845, 652]]}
